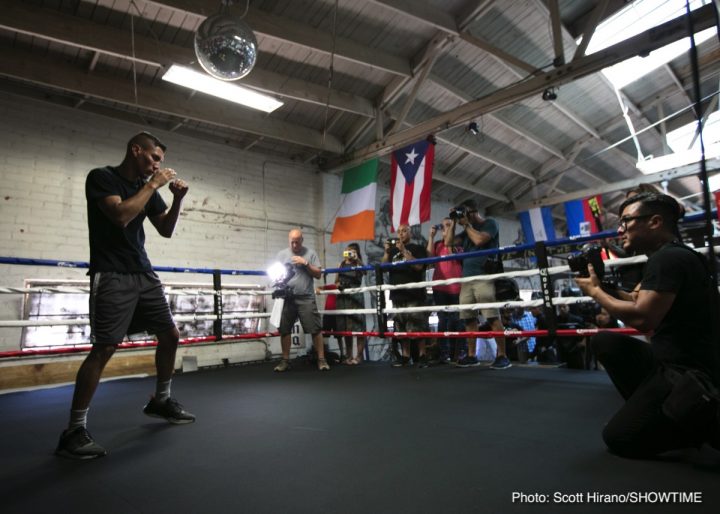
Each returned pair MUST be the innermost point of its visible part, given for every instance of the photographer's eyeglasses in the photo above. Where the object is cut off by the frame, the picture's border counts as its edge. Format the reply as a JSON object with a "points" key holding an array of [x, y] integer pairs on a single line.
{"points": [[622, 222]]}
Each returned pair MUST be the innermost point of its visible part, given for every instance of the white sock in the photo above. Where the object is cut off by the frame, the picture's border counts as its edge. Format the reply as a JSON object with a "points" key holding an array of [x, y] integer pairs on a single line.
{"points": [[162, 390], [78, 418]]}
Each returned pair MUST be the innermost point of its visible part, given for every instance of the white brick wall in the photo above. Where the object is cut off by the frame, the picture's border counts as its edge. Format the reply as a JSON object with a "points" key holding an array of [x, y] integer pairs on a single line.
{"points": [[237, 213]]}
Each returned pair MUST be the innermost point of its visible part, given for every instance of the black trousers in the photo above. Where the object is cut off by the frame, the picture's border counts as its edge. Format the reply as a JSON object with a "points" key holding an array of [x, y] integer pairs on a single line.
{"points": [[639, 429]]}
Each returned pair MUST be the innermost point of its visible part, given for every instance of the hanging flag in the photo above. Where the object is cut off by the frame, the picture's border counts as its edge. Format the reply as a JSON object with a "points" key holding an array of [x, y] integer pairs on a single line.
{"points": [[717, 203], [583, 216], [355, 220], [537, 225], [410, 183]]}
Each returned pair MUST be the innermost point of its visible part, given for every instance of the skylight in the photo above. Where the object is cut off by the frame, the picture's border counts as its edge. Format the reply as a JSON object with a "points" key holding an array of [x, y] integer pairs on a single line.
{"points": [[638, 17]]}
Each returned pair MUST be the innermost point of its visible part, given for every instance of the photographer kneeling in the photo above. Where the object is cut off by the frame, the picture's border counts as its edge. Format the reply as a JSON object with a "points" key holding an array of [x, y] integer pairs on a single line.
{"points": [[667, 384]]}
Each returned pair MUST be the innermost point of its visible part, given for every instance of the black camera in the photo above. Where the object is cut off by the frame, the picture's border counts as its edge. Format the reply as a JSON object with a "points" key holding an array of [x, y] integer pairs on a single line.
{"points": [[438, 227], [392, 241], [281, 289], [589, 254], [457, 213]]}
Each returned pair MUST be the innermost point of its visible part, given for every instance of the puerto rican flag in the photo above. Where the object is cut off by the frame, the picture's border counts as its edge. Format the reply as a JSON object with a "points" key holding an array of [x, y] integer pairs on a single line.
{"points": [[410, 183]]}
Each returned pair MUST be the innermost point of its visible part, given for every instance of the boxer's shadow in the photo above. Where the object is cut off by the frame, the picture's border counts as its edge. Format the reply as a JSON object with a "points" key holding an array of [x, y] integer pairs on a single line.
{"points": [[141, 438]]}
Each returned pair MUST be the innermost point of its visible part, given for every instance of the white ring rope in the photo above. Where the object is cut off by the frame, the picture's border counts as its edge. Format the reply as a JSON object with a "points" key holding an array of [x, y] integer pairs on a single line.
{"points": [[168, 290], [85, 321], [561, 300], [556, 270]]}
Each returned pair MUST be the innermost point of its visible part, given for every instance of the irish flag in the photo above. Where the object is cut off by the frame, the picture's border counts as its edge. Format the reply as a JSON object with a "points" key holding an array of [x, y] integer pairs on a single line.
{"points": [[356, 218]]}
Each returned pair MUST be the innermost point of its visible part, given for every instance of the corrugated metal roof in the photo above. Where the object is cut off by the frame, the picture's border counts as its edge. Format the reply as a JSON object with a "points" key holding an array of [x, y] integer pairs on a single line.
{"points": [[526, 148]]}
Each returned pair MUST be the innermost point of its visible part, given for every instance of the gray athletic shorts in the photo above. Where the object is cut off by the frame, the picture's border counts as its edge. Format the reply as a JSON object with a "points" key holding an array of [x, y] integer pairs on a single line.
{"points": [[126, 303], [303, 307]]}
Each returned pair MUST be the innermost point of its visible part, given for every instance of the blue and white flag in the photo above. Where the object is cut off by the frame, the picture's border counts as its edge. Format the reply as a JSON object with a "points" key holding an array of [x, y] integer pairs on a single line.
{"points": [[537, 225]]}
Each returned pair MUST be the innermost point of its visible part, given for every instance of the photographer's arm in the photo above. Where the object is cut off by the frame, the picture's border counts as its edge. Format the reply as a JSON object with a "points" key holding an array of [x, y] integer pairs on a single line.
{"points": [[450, 238], [644, 312], [386, 255], [315, 271], [478, 238], [431, 242]]}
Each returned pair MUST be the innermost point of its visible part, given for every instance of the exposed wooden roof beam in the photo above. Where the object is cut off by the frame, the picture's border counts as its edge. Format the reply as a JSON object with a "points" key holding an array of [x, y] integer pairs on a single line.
{"points": [[581, 24], [296, 33], [498, 118], [423, 12], [642, 43], [28, 67], [654, 178], [557, 35], [70, 30], [505, 57], [589, 30]]}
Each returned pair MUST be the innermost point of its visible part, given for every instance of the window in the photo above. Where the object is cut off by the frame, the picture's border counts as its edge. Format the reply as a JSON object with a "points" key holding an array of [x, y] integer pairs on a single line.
{"points": [[71, 306]]}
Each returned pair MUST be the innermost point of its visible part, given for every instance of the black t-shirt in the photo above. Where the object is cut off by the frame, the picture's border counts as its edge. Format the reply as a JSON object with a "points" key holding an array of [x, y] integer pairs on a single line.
{"points": [[407, 274], [350, 278], [685, 334], [113, 248]]}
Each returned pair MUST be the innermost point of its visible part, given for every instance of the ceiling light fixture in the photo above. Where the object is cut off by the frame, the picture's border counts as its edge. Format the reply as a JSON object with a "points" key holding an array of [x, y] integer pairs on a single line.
{"points": [[677, 159], [198, 81], [549, 94]]}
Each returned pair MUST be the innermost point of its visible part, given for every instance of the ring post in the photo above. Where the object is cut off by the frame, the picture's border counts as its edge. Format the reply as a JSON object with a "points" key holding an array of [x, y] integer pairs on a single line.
{"points": [[217, 305], [546, 287], [380, 302]]}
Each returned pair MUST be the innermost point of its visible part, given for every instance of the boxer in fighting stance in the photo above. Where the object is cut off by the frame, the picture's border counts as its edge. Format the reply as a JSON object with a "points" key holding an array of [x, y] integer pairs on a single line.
{"points": [[126, 296]]}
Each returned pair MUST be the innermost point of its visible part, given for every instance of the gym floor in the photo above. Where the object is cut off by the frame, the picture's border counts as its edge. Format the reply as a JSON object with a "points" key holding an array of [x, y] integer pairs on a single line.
{"points": [[357, 439]]}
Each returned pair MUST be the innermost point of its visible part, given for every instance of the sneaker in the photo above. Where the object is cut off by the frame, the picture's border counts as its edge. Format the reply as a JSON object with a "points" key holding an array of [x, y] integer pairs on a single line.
{"points": [[323, 365], [423, 362], [170, 409], [401, 362], [468, 361], [284, 365], [501, 362], [77, 443]]}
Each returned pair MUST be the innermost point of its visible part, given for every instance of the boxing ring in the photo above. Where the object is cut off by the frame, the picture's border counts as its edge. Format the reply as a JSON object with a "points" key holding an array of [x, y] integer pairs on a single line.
{"points": [[359, 439], [220, 292]]}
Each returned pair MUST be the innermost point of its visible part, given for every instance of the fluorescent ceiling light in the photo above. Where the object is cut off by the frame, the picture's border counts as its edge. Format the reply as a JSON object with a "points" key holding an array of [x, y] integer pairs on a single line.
{"points": [[677, 159], [204, 83], [679, 141], [638, 17], [681, 138]]}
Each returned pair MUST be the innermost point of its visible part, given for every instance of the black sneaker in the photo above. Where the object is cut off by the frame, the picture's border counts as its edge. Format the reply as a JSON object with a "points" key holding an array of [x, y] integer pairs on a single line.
{"points": [[77, 443], [468, 361], [401, 362], [501, 362], [170, 410], [423, 362]]}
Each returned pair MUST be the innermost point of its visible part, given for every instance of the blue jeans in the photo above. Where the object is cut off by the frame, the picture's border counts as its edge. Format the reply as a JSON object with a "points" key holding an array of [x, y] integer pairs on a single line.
{"points": [[449, 322]]}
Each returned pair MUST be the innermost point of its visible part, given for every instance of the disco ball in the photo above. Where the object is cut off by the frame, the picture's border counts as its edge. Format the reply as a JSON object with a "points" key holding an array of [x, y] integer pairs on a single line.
{"points": [[225, 47]]}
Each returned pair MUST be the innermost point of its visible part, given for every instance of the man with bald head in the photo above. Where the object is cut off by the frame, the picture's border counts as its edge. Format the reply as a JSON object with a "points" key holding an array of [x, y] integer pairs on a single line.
{"points": [[403, 250], [301, 303]]}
